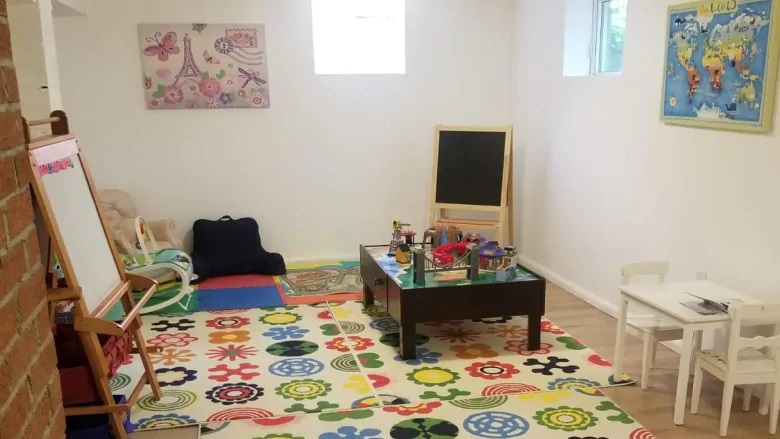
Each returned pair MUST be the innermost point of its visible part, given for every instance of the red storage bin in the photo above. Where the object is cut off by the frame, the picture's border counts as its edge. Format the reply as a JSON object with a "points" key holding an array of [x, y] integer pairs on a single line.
{"points": [[78, 386]]}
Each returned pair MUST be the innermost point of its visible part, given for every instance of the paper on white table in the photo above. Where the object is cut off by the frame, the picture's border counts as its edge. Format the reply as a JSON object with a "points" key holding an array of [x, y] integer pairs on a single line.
{"points": [[702, 308]]}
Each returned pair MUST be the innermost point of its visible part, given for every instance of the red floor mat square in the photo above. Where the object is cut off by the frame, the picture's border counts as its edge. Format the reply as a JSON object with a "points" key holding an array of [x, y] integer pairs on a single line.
{"points": [[237, 281]]}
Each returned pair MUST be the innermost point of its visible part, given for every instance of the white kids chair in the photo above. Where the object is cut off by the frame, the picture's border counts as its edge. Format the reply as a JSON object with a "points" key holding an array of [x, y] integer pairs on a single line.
{"points": [[654, 329], [743, 363]]}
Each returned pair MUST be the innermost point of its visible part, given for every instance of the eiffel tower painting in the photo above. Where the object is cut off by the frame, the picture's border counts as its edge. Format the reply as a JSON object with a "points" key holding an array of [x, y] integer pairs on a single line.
{"points": [[189, 69], [190, 66]]}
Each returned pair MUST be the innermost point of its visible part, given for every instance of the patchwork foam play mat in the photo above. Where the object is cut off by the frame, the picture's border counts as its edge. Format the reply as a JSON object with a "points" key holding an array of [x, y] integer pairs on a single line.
{"points": [[271, 365]]}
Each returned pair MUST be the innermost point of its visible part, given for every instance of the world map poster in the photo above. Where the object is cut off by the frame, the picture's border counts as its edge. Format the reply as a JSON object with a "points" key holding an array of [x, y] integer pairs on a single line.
{"points": [[721, 64]]}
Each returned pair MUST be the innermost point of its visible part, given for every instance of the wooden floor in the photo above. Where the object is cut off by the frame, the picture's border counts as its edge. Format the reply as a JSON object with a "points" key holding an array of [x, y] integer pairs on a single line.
{"points": [[653, 407]]}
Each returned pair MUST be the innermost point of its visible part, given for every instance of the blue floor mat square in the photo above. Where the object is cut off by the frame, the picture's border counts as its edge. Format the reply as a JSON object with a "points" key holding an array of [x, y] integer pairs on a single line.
{"points": [[235, 298]]}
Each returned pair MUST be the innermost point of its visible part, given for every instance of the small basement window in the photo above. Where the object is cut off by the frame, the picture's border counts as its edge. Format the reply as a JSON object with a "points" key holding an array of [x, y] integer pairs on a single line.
{"points": [[594, 37], [609, 36], [354, 37]]}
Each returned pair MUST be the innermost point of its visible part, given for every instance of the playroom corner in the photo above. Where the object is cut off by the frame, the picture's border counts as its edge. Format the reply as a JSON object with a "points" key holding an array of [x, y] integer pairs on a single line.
{"points": [[343, 219]]}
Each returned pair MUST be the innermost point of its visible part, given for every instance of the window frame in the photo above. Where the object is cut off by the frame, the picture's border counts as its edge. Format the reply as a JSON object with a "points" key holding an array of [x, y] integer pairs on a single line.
{"points": [[597, 40]]}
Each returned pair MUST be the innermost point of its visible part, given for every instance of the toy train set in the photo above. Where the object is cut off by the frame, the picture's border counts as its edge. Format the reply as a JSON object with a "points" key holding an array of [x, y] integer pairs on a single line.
{"points": [[449, 250]]}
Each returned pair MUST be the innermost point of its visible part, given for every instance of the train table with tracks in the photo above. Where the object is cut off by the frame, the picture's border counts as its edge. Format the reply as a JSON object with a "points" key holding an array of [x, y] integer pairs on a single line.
{"points": [[448, 296]]}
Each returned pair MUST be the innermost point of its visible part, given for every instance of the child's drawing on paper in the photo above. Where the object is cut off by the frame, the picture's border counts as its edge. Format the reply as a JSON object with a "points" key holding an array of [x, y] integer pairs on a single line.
{"points": [[204, 65]]}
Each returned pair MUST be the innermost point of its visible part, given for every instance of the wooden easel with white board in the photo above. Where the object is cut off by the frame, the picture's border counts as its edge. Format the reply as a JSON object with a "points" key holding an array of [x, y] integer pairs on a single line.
{"points": [[472, 172], [94, 276]]}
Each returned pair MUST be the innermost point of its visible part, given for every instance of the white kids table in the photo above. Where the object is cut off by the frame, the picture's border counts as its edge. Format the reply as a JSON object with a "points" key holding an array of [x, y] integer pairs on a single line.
{"points": [[665, 300]]}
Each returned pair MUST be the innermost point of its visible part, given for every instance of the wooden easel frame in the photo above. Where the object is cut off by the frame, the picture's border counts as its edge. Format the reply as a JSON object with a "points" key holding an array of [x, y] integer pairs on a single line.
{"points": [[90, 323], [504, 224]]}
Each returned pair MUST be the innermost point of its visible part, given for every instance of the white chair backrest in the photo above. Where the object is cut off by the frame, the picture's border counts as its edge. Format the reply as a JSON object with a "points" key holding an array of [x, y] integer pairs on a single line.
{"points": [[742, 315], [655, 268]]}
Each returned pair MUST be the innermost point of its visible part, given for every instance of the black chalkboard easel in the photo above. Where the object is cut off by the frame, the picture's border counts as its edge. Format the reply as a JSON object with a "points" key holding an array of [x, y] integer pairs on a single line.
{"points": [[472, 171]]}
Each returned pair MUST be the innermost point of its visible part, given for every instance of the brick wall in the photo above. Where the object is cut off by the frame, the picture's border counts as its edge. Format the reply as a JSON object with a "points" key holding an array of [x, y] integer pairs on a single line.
{"points": [[30, 400]]}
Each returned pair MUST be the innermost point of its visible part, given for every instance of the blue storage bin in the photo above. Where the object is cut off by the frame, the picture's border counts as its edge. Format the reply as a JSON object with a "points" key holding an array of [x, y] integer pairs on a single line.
{"points": [[94, 426], [87, 427]]}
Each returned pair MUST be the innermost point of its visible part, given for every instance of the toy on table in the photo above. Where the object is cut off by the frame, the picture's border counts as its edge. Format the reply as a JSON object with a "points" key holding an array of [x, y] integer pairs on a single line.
{"points": [[507, 269], [400, 236], [468, 251], [442, 234], [403, 253], [448, 257], [492, 255]]}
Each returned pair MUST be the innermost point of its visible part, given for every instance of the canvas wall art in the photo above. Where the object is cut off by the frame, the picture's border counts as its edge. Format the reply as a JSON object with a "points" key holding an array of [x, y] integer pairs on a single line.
{"points": [[721, 64], [204, 65]]}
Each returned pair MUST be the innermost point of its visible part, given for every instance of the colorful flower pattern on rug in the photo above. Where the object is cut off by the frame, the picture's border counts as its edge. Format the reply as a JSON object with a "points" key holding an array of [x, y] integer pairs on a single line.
{"points": [[571, 415], [250, 364], [175, 376], [344, 344], [239, 393], [179, 339], [223, 373], [170, 356], [492, 370], [306, 389], [232, 322], [231, 352], [469, 358], [178, 325], [287, 332]]}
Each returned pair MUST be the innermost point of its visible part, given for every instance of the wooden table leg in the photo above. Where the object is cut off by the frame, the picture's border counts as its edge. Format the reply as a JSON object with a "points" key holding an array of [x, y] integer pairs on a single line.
{"points": [[620, 340], [368, 295], [534, 332], [683, 373], [408, 341]]}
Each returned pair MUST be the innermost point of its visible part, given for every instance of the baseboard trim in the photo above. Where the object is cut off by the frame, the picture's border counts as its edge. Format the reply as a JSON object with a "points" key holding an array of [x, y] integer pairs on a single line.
{"points": [[590, 297], [342, 258], [577, 290]]}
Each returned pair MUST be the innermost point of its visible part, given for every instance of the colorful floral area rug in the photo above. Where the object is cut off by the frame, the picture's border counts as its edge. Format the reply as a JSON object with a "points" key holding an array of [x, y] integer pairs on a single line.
{"points": [[564, 414], [329, 363], [248, 363], [458, 359]]}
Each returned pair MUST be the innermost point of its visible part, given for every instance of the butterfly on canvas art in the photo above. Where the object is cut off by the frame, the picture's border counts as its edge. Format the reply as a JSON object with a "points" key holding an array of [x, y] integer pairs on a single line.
{"points": [[162, 46], [210, 59]]}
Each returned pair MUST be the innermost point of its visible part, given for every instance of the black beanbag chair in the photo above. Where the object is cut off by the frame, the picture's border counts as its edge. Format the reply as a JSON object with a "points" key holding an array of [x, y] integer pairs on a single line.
{"points": [[226, 247]]}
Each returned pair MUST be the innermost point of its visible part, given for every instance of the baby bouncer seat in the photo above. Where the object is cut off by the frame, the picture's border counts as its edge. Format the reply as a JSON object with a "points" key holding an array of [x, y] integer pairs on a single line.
{"points": [[170, 267]]}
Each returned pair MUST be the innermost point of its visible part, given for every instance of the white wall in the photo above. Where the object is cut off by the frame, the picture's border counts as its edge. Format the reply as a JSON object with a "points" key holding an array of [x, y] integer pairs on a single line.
{"points": [[605, 182], [334, 160], [48, 9], [27, 42]]}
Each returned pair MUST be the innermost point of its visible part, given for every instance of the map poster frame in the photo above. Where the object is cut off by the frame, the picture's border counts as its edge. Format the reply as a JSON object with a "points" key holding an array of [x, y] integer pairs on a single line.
{"points": [[691, 98]]}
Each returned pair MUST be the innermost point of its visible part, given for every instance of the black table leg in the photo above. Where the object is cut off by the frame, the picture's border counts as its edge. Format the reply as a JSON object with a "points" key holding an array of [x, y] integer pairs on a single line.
{"points": [[408, 341], [368, 295], [534, 332]]}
